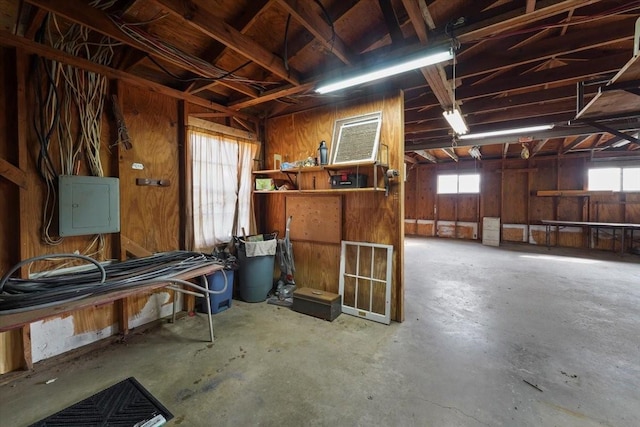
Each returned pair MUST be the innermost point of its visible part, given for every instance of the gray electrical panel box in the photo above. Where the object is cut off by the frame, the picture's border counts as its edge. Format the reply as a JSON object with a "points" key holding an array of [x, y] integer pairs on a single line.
{"points": [[88, 205]]}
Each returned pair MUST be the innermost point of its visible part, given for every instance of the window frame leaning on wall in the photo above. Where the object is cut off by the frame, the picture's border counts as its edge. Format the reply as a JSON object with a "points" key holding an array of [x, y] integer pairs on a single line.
{"points": [[239, 149]]}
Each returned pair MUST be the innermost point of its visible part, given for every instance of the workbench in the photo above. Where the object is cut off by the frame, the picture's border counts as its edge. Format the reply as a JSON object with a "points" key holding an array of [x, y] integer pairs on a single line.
{"points": [[624, 227], [177, 282]]}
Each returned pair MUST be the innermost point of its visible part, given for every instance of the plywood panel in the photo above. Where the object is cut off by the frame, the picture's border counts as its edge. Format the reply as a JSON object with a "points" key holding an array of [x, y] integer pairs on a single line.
{"points": [[446, 207], [490, 190], [425, 192], [543, 179], [370, 216], [11, 345], [410, 192], [515, 194], [410, 227], [315, 218], [425, 228], [632, 208], [514, 234], [317, 265], [608, 208], [467, 209], [152, 122]]}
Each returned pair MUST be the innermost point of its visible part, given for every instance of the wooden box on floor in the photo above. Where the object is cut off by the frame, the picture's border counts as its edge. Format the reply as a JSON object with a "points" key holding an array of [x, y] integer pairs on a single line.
{"points": [[317, 303]]}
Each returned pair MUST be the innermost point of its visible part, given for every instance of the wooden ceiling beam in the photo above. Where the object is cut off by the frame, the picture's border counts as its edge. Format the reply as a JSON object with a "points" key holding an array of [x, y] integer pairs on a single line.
{"points": [[530, 6], [8, 39], [391, 20], [224, 33], [579, 140], [517, 18], [434, 75], [538, 146], [243, 24], [98, 21], [451, 153], [567, 74], [304, 12], [272, 95], [35, 22], [545, 49]]}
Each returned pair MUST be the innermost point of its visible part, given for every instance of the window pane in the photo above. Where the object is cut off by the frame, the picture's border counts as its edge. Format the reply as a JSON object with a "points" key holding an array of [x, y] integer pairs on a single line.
{"points": [[469, 183], [604, 179], [447, 184], [631, 179]]}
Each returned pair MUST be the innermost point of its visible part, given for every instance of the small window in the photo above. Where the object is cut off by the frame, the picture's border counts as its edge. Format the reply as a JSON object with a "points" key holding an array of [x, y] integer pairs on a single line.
{"points": [[455, 184], [631, 179], [604, 179], [614, 179]]}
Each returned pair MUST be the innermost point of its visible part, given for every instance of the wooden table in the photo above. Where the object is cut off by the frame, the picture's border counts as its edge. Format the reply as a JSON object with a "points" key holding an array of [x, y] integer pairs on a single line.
{"points": [[591, 224]]}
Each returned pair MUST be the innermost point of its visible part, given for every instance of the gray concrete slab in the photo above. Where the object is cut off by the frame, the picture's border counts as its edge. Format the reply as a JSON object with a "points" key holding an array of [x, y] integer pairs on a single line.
{"points": [[508, 336]]}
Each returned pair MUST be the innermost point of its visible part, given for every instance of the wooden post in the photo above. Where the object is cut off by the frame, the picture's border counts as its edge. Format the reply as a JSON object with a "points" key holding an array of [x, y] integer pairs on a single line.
{"points": [[22, 123]]}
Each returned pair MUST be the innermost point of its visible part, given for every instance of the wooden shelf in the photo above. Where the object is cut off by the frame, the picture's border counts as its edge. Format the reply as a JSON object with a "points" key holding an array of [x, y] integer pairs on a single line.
{"points": [[572, 193], [325, 191]]}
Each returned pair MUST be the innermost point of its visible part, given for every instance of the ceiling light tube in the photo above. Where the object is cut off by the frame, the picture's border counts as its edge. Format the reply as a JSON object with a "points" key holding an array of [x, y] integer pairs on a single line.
{"points": [[454, 117], [407, 65], [506, 132]]}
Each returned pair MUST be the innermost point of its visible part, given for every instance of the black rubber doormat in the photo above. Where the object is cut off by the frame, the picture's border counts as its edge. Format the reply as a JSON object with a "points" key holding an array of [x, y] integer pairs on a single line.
{"points": [[127, 403]]}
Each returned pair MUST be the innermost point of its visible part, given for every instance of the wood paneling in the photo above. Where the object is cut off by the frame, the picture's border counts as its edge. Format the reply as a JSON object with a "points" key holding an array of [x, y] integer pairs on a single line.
{"points": [[509, 188], [490, 188], [425, 192], [544, 179], [514, 209], [11, 345], [367, 216], [315, 218], [151, 212]]}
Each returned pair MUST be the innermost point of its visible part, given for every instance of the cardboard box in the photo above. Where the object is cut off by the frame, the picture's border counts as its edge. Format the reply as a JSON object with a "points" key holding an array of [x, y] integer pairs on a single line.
{"points": [[314, 302]]}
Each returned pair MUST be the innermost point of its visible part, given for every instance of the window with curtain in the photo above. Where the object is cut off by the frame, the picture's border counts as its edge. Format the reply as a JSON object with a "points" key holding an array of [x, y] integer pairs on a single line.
{"points": [[221, 185]]}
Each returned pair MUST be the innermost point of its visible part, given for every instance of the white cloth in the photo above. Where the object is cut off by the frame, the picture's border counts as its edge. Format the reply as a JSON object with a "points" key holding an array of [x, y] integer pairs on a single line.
{"points": [[253, 249]]}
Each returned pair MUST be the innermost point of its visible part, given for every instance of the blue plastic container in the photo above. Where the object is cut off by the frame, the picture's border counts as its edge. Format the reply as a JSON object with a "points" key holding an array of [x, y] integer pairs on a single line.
{"points": [[219, 302]]}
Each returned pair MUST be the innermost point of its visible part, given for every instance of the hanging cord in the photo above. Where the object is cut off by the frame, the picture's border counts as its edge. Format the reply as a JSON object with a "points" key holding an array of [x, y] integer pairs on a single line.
{"points": [[330, 22], [285, 53]]}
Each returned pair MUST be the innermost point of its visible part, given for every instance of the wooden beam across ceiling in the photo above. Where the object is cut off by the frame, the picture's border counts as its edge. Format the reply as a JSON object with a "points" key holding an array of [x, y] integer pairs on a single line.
{"points": [[568, 74], [224, 33], [434, 75], [548, 48], [8, 39], [517, 18], [304, 12]]}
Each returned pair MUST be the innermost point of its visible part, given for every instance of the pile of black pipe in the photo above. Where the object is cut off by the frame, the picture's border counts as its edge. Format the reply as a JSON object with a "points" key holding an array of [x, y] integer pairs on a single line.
{"points": [[18, 295]]}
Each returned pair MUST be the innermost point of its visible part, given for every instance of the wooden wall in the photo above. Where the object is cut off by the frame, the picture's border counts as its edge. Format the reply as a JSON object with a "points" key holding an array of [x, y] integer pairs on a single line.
{"points": [[508, 189], [366, 216], [150, 216]]}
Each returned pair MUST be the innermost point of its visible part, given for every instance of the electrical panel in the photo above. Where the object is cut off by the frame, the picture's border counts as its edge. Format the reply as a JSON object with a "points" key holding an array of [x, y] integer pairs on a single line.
{"points": [[88, 205]]}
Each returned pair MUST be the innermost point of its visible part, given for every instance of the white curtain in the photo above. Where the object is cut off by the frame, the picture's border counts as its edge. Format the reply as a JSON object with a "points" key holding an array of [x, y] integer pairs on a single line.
{"points": [[222, 183]]}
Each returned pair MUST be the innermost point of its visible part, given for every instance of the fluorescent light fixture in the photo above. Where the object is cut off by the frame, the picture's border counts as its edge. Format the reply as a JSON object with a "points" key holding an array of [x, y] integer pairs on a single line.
{"points": [[409, 64], [620, 143], [456, 121], [506, 132]]}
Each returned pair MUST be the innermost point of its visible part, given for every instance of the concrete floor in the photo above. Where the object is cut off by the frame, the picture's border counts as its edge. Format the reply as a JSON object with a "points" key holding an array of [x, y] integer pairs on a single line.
{"points": [[480, 322]]}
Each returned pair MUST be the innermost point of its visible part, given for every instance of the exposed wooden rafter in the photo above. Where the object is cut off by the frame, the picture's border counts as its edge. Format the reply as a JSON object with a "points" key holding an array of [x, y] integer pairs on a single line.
{"points": [[224, 33], [304, 11]]}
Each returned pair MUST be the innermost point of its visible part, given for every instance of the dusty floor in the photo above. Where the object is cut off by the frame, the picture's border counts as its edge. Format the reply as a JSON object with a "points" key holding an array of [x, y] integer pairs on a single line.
{"points": [[509, 336]]}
